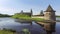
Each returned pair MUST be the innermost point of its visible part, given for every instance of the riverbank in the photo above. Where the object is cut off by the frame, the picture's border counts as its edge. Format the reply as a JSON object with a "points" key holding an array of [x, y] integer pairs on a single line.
{"points": [[58, 16]]}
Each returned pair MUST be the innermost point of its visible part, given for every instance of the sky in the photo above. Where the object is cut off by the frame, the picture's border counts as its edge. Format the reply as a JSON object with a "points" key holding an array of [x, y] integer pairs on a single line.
{"points": [[15, 6]]}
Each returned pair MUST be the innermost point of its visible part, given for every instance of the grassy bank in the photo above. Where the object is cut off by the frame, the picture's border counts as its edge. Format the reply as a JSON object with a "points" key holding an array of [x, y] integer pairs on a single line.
{"points": [[37, 19], [32, 19], [5, 32]]}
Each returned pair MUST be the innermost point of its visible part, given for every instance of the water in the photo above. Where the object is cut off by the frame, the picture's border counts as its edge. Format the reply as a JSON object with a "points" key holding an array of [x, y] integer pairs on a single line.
{"points": [[10, 23]]}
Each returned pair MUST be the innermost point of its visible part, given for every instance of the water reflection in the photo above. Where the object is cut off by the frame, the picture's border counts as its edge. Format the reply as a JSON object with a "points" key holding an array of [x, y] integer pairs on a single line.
{"points": [[49, 27]]}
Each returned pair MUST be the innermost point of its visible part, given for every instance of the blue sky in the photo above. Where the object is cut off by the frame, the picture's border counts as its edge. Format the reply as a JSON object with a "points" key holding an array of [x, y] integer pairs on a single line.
{"points": [[15, 6]]}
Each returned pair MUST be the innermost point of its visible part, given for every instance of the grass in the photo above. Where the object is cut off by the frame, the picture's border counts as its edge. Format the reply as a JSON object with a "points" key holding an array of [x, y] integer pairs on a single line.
{"points": [[20, 15], [37, 19], [25, 18], [5, 32], [29, 18]]}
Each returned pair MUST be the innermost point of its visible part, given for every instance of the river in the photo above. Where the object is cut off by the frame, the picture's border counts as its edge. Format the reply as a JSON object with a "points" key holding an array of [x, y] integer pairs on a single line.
{"points": [[10, 23]]}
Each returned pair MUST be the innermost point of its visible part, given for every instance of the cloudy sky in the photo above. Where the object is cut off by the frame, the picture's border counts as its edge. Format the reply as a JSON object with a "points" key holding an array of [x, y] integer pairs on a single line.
{"points": [[15, 6]]}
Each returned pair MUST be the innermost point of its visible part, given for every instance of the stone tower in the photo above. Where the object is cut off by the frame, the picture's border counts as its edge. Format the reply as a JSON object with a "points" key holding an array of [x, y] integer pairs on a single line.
{"points": [[49, 14]]}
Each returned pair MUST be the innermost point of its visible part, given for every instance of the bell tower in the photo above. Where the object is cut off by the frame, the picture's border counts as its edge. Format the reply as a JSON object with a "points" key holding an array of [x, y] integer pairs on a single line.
{"points": [[49, 14]]}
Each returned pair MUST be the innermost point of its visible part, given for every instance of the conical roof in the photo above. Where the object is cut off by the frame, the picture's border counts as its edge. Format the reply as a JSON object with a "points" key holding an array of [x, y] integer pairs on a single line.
{"points": [[49, 9]]}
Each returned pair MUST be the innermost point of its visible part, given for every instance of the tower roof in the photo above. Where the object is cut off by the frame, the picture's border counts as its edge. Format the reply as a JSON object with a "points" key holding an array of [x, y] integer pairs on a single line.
{"points": [[49, 9]]}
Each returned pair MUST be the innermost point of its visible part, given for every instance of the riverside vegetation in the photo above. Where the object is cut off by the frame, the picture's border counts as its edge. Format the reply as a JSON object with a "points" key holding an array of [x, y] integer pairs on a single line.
{"points": [[5, 15]]}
